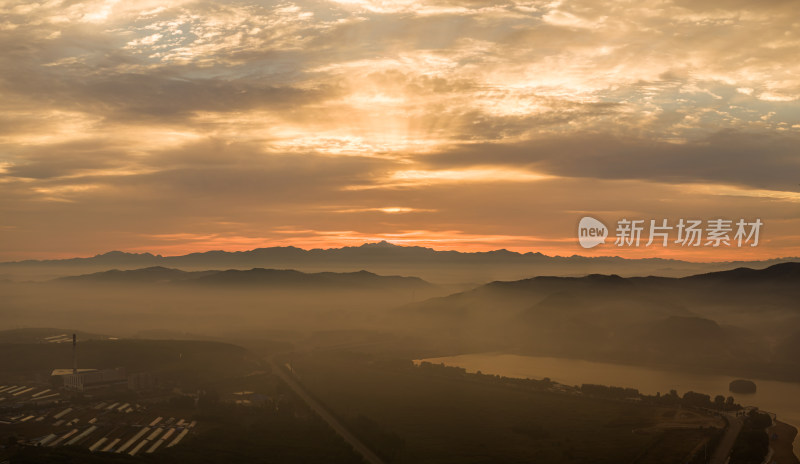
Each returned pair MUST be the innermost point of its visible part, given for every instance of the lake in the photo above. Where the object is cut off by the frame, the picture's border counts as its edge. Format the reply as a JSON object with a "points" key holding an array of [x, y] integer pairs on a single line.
{"points": [[780, 398]]}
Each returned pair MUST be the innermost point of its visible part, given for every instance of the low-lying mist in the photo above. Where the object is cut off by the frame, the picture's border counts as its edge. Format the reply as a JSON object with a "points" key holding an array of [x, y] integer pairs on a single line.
{"points": [[740, 321]]}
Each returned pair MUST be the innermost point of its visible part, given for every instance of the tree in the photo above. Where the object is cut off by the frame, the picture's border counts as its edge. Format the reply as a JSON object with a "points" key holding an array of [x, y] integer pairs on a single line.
{"points": [[696, 399]]}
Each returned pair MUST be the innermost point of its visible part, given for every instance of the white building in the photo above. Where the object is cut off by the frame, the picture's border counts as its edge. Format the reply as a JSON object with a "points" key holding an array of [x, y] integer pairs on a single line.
{"points": [[89, 379]]}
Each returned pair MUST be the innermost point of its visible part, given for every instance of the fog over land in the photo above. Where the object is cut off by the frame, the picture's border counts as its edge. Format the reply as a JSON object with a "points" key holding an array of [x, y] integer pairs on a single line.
{"points": [[739, 320]]}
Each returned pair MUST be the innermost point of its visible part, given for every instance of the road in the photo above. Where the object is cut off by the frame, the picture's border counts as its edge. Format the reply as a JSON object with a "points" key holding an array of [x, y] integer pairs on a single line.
{"points": [[334, 423], [726, 444]]}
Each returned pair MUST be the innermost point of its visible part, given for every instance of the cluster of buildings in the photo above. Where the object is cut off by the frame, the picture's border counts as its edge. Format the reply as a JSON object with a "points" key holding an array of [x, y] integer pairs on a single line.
{"points": [[81, 380], [110, 421]]}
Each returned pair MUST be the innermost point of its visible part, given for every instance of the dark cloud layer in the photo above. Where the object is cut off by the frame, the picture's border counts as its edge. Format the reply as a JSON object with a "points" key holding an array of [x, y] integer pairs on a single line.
{"points": [[763, 161]]}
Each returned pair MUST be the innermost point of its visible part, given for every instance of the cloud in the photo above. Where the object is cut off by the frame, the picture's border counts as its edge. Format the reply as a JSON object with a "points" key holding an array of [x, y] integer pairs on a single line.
{"points": [[755, 160], [238, 118]]}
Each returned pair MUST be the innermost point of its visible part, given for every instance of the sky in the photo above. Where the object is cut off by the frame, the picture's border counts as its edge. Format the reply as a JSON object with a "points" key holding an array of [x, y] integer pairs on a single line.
{"points": [[179, 126]]}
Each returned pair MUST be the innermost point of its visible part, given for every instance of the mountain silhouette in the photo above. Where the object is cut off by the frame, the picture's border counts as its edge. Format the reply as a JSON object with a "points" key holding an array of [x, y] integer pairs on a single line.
{"points": [[257, 277], [384, 258]]}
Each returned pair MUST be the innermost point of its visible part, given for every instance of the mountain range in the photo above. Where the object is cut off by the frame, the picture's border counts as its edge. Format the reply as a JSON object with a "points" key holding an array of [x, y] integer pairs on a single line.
{"points": [[445, 267]]}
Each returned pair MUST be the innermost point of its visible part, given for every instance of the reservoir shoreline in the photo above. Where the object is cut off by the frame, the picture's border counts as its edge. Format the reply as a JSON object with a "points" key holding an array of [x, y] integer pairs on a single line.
{"points": [[778, 397]]}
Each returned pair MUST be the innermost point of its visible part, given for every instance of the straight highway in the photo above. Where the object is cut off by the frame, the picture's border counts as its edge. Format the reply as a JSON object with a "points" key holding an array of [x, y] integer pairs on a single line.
{"points": [[334, 423]]}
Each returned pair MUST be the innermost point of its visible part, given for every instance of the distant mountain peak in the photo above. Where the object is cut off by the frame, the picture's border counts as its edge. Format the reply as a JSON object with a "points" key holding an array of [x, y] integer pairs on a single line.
{"points": [[381, 244], [604, 277], [117, 253]]}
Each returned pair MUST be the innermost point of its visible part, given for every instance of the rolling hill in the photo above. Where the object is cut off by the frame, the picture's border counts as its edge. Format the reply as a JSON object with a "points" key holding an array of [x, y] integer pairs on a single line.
{"points": [[741, 319], [252, 278]]}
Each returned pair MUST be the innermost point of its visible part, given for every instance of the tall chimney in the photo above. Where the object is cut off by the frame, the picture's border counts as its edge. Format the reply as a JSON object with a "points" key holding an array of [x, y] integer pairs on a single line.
{"points": [[74, 354]]}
